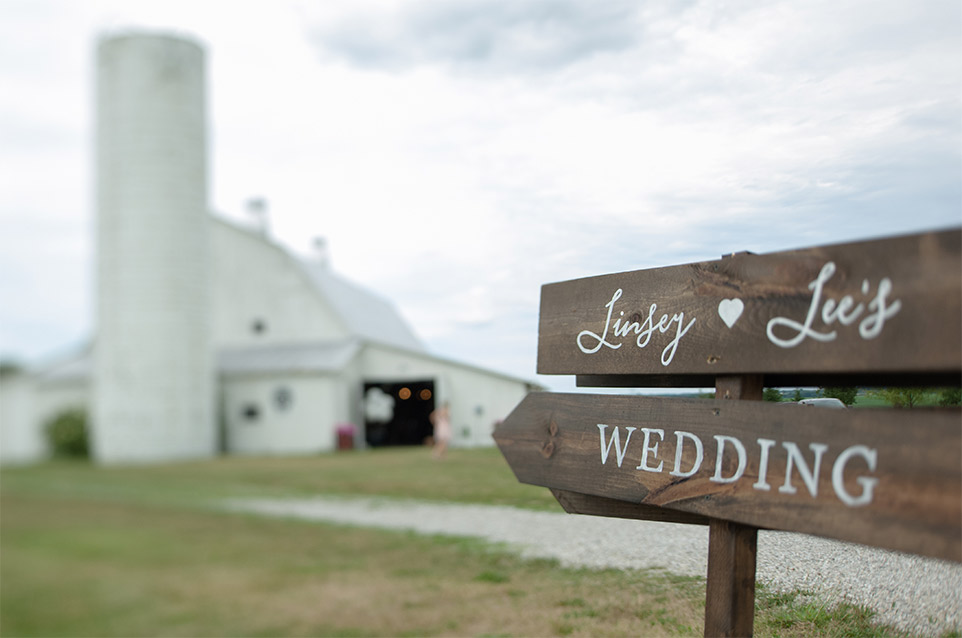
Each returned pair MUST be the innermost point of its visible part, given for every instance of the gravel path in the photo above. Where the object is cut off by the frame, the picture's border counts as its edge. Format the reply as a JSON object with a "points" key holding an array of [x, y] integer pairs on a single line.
{"points": [[919, 595]]}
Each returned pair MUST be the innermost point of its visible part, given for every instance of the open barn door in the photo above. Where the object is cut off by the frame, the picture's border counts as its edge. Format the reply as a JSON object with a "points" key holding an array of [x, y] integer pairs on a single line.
{"points": [[398, 413]]}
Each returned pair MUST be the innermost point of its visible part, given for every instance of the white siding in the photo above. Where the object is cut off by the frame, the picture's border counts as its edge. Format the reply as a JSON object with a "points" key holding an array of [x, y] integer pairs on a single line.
{"points": [[153, 381], [255, 281], [21, 439], [478, 402], [305, 426], [26, 406], [478, 399], [351, 395]]}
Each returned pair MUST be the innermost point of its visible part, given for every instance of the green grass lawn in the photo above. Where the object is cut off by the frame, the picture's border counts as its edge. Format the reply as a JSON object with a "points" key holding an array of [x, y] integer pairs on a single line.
{"points": [[465, 476], [930, 400], [869, 401], [138, 551]]}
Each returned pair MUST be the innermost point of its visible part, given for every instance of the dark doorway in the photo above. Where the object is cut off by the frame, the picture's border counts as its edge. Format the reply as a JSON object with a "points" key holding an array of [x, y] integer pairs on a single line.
{"points": [[398, 413]]}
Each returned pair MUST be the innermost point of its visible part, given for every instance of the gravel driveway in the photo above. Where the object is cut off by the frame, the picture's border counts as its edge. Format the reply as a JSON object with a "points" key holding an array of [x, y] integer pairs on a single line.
{"points": [[920, 595]]}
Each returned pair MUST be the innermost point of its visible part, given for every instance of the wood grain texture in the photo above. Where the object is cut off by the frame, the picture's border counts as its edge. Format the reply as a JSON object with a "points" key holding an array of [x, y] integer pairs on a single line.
{"points": [[575, 503], [861, 379], [894, 306], [730, 587], [915, 504], [740, 387], [730, 590]]}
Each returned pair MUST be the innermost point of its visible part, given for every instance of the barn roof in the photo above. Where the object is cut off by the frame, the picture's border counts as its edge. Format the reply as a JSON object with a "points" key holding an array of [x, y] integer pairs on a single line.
{"points": [[367, 318], [365, 314], [295, 358]]}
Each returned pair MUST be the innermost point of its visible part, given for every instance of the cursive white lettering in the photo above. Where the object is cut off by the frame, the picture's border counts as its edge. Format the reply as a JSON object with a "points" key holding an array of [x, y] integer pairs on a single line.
{"points": [[872, 325], [844, 311], [643, 330], [805, 330], [601, 340]]}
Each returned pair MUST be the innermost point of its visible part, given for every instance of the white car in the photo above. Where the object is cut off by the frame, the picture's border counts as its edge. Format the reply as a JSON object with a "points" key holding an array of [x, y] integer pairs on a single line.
{"points": [[823, 403]]}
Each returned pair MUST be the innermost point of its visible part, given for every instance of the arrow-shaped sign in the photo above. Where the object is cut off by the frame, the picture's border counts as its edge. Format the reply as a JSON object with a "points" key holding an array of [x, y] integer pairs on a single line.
{"points": [[864, 310], [887, 478]]}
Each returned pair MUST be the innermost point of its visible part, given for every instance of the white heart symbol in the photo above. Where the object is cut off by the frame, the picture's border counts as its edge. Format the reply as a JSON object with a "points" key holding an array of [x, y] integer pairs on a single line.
{"points": [[730, 310]]}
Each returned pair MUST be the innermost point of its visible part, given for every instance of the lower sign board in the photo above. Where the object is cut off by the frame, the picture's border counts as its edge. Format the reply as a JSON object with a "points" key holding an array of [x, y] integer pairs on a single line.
{"points": [[881, 477]]}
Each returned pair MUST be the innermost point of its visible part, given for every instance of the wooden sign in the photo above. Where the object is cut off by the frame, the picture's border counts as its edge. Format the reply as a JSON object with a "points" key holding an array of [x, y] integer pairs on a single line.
{"points": [[887, 478], [886, 309]]}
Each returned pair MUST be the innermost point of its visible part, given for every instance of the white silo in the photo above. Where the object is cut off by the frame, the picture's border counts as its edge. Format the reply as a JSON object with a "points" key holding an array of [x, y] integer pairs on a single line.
{"points": [[153, 378]]}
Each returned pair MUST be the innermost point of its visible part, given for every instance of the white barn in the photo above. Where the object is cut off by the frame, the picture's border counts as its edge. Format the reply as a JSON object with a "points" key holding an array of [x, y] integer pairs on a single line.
{"points": [[211, 338], [298, 351]]}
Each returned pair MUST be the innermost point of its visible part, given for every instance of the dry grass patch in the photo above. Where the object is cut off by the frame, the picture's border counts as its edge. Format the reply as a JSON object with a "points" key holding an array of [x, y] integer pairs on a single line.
{"points": [[135, 552], [90, 568]]}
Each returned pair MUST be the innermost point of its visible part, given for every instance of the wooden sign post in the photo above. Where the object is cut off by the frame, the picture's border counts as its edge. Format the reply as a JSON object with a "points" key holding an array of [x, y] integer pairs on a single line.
{"points": [[885, 312], [732, 548]]}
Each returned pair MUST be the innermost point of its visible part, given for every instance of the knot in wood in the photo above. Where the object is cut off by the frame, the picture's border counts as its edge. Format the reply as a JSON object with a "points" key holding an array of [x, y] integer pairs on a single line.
{"points": [[547, 449], [553, 428], [549, 445]]}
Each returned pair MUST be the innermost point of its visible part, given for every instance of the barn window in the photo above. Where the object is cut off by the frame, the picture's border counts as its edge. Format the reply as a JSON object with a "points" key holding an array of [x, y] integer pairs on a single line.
{"points": [[251, 412], [283, 397]]}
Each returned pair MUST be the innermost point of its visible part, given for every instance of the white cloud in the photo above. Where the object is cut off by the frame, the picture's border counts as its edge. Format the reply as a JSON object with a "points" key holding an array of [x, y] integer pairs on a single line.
{"points": [[475, 35], [459, 155]]}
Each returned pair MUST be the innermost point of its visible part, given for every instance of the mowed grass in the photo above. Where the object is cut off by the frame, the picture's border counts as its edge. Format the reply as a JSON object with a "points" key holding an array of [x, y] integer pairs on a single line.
{"points": [[90, 551], [464, 476], [76, 568]]}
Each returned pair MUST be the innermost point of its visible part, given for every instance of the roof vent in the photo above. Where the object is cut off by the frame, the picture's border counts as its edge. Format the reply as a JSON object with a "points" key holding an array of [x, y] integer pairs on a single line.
{"points": [[257, 209], [322, 253]]}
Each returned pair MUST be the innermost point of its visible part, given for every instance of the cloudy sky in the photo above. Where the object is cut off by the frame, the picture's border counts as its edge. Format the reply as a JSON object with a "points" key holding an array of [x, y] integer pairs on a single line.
{"points": [[458, 154]]}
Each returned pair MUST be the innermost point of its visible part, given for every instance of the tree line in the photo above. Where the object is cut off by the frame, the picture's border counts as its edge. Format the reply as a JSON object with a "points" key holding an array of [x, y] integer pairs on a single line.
{"points": [[895, 397]]}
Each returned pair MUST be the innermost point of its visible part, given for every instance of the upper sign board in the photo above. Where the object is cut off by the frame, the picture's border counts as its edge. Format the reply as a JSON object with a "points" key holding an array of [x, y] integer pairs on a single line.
{"points": [[885, 306]]}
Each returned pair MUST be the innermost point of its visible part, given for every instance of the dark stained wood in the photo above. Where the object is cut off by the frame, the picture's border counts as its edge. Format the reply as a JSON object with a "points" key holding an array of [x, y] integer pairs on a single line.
{"points": [[866, 379], [554, 440], [743, 388], [920, 274], [730, 590], [886, 312], [575, 503]]}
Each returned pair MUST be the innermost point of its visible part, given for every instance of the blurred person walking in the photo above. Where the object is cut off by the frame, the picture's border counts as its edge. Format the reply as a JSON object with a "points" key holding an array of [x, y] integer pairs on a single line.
{"points": [[441, 420]]}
